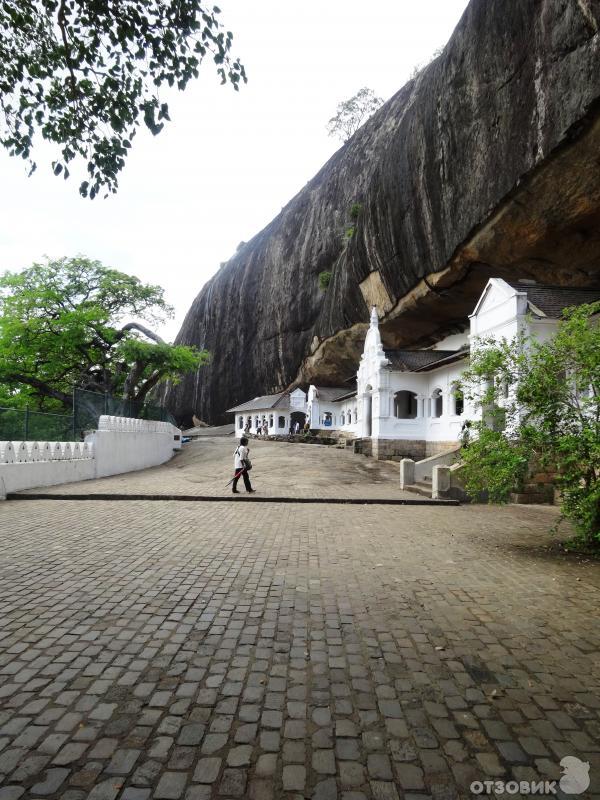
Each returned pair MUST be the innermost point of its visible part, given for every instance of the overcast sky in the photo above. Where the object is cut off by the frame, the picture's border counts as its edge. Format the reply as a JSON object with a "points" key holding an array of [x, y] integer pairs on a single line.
{"points": [[228, 161]]}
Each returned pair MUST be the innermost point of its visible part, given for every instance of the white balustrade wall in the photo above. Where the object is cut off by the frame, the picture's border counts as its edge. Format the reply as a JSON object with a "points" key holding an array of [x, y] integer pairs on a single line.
{"points": [[119, 445]]}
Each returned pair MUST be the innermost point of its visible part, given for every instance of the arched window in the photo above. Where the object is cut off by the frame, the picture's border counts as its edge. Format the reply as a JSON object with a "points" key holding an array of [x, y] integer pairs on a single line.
{"points": [[257, 421], [328, 419], [343, 418], [437, 403], [270, 420], [349, 417], [281, 422], [241, 422], [458, 398], [405, 405]]}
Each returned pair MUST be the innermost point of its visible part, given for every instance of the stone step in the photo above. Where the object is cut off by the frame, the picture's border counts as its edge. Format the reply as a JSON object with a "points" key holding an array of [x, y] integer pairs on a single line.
{"points": [[542, 477], [532, 498], [539, 488], [420, 488]]}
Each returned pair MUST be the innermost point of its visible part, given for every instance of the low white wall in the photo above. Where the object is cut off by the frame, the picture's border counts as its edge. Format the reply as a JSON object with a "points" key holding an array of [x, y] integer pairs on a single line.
{"points": [[122, 444], [119, 445]]}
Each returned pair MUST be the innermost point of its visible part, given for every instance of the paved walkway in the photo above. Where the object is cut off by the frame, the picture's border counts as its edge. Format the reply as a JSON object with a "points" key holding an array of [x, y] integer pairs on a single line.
{"points": [[204, 650], [280, 469]]}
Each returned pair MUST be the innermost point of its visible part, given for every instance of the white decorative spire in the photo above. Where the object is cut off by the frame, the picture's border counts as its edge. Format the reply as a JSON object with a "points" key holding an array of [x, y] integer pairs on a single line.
{"points": [[374, 317]]}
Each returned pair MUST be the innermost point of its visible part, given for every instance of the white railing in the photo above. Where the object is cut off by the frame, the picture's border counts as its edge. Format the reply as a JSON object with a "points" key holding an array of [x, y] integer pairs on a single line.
{"points": [[27, 452], [130, 425], [424, 468]]}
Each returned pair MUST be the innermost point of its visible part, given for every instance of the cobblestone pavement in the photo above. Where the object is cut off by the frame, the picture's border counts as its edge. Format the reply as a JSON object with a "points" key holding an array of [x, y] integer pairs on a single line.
{"points": [[219, 650], [280, 470]]}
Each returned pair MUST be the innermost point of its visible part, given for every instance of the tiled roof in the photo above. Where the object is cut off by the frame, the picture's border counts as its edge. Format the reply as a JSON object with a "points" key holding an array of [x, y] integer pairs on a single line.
{"points": [[266, 401], [346, 396], [413, 360], [331, 393], [552, 300]]}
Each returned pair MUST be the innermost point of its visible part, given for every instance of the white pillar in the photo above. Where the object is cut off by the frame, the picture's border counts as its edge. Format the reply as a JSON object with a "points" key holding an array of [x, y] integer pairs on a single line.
{"points": [[407, 472], [440, 482]]}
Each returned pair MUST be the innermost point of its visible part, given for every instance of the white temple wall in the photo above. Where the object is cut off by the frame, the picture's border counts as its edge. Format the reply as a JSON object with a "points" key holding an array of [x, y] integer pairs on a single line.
{"points": [[273, 417]]}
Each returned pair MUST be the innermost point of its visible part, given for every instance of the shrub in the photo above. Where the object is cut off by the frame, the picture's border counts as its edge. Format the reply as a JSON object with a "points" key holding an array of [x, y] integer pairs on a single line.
{"points": [[493, 465], [324, 280], [551, 410], [355, 210]]}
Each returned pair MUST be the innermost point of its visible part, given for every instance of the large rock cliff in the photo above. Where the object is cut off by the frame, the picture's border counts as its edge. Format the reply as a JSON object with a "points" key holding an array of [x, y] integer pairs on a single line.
{"points": [[486, 164]]}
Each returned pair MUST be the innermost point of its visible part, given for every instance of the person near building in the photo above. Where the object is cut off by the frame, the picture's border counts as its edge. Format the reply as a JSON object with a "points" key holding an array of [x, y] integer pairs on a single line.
{"points": [[241, 466]]}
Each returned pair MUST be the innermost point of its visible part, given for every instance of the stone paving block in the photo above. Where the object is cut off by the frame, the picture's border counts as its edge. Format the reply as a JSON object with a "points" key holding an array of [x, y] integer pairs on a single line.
{"points": [[352, 773], [52, 780], [69, 754], [107, 790], [212, 743], [325, 790], [384, 790], [323, 762], [294, 778], [11, 792], [198, 793], [379, 767], [171, 786], [131, 793], [239, 756], [123, 762], [207, 770], [233, 782], [191, 734], [146, 773], [30, 766], [409, 776]]}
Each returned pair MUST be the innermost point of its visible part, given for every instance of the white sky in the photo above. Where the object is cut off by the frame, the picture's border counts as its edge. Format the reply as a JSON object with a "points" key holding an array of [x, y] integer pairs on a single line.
{"points": [[228, 161]]}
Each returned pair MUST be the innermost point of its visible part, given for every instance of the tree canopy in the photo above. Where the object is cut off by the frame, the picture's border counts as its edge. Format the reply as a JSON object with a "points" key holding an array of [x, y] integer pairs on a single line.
{"points": [[85, 74], [73, 323], [351, 113]]}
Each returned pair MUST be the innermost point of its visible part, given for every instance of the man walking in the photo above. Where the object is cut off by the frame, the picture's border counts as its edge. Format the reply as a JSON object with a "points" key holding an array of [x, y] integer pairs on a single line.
{"points": [[241, 462]]}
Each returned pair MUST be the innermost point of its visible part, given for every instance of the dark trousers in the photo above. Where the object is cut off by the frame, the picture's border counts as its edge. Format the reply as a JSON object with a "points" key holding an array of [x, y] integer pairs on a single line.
{"points": [[245, 476]]}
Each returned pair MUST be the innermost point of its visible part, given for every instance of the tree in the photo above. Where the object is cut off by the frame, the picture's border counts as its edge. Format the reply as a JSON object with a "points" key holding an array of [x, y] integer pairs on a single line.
{"points": [[62, 325], [547, 396], [84, 75], [352, 113]]}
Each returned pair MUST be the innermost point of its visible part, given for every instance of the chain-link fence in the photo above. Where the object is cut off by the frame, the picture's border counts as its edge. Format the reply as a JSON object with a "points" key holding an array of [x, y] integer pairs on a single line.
{"points": [[21, 424], [88, 407]]}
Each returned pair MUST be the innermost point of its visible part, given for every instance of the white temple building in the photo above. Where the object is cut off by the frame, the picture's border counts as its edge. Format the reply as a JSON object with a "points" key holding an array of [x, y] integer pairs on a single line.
{"points": [[408, 403]]}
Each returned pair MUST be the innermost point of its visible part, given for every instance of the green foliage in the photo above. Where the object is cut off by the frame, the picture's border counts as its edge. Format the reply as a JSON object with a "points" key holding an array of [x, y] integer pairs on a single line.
{"points": [[355, 210], [85, 75], [492, 464], [549, 396], [349, 232], [324, 280], [351, 113], [62, 326]]}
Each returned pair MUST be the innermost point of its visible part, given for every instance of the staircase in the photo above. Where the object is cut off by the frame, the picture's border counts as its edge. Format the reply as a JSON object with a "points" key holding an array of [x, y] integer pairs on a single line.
{"points": [[422, 487], [537, 489]]}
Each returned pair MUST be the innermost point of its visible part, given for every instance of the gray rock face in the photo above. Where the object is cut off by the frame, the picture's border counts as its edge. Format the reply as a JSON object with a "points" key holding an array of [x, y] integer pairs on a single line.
{"points": [[486, 164]]}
